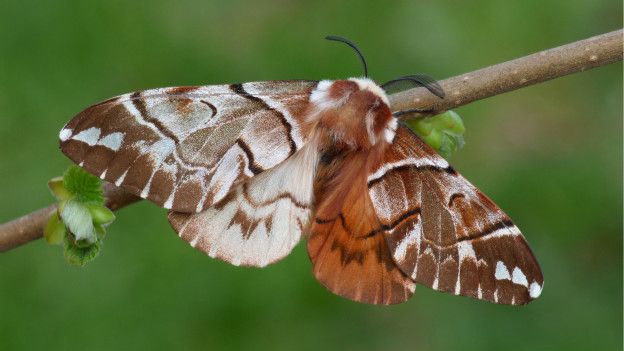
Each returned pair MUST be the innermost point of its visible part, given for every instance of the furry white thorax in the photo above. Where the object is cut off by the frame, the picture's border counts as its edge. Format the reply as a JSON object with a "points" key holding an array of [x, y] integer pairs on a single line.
{"points": [[370, 85], [320, 96], [322, 101]]}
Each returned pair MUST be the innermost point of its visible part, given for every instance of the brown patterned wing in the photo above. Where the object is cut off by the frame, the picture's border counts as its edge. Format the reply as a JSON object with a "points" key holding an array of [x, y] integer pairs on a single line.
{"points": [[185, 148], [349, 254], [445, 233], [260, 221]]}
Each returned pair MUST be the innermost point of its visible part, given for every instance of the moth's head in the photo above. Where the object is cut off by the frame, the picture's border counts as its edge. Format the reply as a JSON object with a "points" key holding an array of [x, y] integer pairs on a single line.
{"points": [[355, 111]]}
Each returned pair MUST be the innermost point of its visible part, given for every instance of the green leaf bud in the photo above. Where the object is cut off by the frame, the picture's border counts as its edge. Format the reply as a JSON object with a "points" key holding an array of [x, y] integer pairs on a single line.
{"points": [[54, 231]]}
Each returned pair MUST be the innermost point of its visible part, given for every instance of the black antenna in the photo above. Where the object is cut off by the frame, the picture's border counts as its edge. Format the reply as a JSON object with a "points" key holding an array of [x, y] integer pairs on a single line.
{"points": [[350, 43], [421, 80]]}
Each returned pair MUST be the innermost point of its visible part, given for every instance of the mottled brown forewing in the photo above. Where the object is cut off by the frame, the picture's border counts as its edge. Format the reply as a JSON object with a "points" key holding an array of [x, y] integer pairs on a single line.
{"points": [[185, 148]]}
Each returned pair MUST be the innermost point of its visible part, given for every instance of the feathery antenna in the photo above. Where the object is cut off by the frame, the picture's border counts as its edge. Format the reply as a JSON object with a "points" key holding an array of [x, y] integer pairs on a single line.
{"points": [[421, 80], [353, 46]]}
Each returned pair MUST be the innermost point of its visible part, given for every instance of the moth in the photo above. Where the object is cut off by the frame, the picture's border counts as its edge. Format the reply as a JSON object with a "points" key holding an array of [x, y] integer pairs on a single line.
{"points": [[249, 170]]}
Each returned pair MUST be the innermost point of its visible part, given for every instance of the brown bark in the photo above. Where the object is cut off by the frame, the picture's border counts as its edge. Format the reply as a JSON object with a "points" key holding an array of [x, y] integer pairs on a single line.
{"points": [[503, 77], [30, 227]]}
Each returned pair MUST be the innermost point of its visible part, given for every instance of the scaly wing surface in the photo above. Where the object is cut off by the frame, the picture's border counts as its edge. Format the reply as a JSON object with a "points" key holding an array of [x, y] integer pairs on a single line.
{"points": [[185, 148], [444, 233]]}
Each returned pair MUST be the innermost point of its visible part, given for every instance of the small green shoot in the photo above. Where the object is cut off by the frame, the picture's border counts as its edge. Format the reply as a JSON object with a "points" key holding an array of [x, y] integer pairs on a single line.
{"points": [[443, 132], [81, 218]]}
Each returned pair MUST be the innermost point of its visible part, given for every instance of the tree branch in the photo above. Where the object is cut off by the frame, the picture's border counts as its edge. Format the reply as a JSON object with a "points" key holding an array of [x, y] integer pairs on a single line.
{"points": [[30, 227], [460, 90], [511, 75]]}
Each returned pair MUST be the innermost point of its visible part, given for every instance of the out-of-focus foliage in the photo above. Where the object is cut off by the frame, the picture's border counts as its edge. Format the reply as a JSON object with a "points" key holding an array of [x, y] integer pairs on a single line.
{"points": [[550, 155]]}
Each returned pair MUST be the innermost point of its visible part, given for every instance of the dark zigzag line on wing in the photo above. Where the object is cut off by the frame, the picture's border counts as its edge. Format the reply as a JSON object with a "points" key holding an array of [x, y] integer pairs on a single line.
{"points": [[115, 101], [238, 89], [139, 104], [212, 107], [453, 197], [284, 195], [253, 167], [501, 224], [382, 228], [112, 102], [137, 100], [487, 231], [347, 257], [505, 223], [450, 170], [391, 226]]}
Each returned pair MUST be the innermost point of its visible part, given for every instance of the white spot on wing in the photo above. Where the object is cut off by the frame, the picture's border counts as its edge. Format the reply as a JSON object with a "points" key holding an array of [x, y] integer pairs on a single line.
{"points": [[145, 191], [112, 141], [518, 277], [194, 241], [502, 232], [162, 148], [535, 290], [501, 271], [412, 240], [465, 250], [89, 136], [65, 134], [169, 203], [121, 179]]}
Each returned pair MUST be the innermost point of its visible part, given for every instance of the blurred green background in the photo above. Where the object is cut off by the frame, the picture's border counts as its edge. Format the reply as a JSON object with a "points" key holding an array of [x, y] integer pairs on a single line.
{"points": [[550, 155]]}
